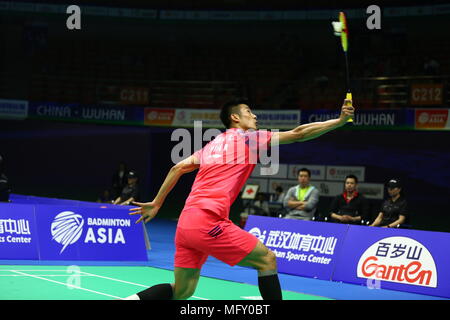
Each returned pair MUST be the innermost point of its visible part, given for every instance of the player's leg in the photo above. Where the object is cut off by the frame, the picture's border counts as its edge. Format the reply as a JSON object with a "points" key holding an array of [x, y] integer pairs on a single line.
{"points": [[232, 245], [162, 291], [186, 280], [260, 258], [264, 261], [188, 263]]}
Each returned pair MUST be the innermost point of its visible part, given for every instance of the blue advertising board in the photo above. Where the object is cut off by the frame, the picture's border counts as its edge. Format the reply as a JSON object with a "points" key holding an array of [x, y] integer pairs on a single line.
{"points": [[13, 109], [304, 248], [380, 258], [83, 233], [113, 114], [18, 233], [397, 259], [367, 118], [61, 231]]}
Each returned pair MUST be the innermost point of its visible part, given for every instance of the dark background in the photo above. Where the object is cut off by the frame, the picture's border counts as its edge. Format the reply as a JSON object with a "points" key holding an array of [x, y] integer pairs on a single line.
{"points": [[76, 161]]}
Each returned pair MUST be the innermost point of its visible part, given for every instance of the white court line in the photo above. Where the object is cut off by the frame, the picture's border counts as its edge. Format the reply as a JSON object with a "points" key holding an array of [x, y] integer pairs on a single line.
{"points": [[86, 273], [43, 275], [90, 274], [133, 283], [25, 270], [113, 279], [66, 284]]}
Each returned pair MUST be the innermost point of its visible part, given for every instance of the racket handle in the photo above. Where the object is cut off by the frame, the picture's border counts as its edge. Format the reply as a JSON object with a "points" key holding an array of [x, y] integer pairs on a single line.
{"points": [[349, 97]]}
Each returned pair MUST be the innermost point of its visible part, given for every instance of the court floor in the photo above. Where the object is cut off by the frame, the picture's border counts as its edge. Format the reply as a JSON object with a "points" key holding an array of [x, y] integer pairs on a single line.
{"points": [[20, 282]]}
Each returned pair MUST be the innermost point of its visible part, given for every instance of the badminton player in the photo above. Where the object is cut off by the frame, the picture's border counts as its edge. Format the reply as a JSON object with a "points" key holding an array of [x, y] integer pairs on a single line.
{"points": [[204, 227]]}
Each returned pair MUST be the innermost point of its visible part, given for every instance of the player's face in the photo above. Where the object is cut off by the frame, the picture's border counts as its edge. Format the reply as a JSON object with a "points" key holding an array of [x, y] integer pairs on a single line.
{"points": [[303, 178], [393, 192], [247, 118], [350, 185]]}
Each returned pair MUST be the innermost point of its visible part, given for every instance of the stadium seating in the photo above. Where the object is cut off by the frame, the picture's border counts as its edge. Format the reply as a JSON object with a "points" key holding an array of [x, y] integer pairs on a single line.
{"points": [[272, 73]]}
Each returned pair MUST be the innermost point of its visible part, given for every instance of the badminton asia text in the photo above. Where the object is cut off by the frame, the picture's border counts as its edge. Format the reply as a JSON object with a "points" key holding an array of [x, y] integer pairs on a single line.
{"points": [[108, 235], [234, 309]]}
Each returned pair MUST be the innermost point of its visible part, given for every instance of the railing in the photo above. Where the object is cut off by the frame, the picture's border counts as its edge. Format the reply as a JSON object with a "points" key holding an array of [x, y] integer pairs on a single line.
{"points": [[374, 92], [407, 91], [120, 90]]}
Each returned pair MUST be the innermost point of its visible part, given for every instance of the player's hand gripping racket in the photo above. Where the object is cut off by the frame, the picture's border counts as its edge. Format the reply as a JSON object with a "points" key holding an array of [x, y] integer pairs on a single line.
{"points": [[341, 30]]}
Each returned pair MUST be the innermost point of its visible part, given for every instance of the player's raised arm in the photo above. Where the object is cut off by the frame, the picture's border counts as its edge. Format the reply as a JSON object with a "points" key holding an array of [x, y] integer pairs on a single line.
{"points": [[315, 129], [149, 210]]}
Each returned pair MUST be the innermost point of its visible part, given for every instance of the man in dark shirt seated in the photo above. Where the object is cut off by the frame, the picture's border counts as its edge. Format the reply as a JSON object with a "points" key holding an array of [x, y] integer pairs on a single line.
{"points": [[130, 192], [393, 211], [349, 207]]}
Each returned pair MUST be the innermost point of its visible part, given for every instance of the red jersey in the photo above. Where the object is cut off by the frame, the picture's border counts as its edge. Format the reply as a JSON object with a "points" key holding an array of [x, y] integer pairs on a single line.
{"points": [[225, 165]]}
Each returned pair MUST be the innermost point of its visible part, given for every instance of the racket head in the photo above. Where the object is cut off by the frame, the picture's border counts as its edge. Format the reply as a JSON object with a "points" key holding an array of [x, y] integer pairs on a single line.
{"points": [[344, 32]]}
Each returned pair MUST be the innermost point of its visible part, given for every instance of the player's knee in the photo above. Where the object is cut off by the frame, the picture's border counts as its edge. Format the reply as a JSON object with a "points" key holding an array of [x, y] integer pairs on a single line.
{"points": [[270, 261], [184, 293]]}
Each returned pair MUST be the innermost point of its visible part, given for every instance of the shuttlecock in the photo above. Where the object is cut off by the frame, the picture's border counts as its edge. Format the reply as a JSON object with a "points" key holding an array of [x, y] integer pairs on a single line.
{"points": [[337, 27]]}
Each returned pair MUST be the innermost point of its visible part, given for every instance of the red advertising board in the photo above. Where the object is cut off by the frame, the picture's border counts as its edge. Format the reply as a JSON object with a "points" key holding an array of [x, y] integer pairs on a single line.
{"points": [[159, 117], [431, 119]]}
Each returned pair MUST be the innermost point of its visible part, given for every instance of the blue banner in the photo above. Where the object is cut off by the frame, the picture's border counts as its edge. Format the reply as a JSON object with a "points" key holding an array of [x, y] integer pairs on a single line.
{"points": [[13, 109], [18, 233], [87, 113], [62, 230], [398, 259], [81, 233], [303, 248], [379, 258], [367, 119]]}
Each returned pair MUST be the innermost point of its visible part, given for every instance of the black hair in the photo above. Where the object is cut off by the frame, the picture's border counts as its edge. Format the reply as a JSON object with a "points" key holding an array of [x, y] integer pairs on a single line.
{"points": [[351, 176], [279, 189], [306, 170], [230, 107]]}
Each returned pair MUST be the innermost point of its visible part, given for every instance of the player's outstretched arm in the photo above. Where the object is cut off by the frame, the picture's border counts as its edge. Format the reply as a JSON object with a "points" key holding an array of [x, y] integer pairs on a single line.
{"points": [[313, 130], [149, 210]]}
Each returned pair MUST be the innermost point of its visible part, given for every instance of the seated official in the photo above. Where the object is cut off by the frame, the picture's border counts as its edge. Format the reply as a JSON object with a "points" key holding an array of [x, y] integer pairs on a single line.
{"points": [[130, 192], [349, 207], [301, 200], [393, 211]]}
